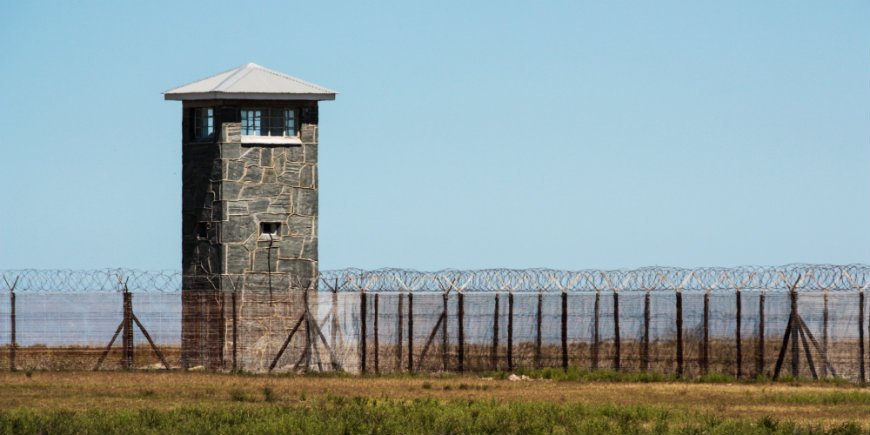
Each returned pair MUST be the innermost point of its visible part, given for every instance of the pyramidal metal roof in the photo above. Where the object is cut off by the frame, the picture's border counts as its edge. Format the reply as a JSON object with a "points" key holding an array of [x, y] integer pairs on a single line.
{"points": [[250, 82]]}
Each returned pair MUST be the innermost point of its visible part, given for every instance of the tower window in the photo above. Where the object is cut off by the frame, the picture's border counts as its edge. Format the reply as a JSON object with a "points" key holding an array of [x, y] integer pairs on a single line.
{"points": [[203, 123], [202, 230], [269, 122], [270, 229]]}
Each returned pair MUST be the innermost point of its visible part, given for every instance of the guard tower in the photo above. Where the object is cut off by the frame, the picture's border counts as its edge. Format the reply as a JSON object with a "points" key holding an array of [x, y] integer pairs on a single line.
{"points": [[249, 215]]}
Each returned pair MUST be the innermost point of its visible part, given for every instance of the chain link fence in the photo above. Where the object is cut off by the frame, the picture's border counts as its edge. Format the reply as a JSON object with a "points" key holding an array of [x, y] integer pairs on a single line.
{"points": [[798, 320]]}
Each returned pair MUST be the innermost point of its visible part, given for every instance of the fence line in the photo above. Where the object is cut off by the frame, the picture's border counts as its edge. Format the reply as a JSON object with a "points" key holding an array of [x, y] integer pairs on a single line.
{"points": [[808, 320], [808, 276]]}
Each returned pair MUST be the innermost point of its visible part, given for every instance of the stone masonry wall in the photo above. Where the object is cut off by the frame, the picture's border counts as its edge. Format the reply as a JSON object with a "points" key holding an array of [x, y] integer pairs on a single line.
{"points": [[229, 189], [268, 184]]}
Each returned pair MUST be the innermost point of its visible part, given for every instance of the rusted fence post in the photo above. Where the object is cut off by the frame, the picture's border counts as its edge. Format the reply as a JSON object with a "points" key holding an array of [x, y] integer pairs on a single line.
{"points": [[539, 320], [759, 346], [308, 353], [596, 336], [410, 332], [363, 316], [564, 330], [861, 375], [494, 354], [127, 337], [235, 331], [617, 343], [13, 341], [399, 327], [795, 347], [679, 296], [825, 331], [334, 314], [376, 338], [705, 356], [644, 356], [445, 358], [461, 330], [737, 334], [510, 332]]}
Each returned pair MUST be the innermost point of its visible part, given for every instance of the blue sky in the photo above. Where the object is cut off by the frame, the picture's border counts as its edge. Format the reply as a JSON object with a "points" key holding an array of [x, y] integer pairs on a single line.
{"points": [[466, 134]]}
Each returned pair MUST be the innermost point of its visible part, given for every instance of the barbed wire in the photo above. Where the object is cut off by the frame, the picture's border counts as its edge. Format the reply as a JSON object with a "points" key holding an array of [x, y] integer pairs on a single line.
{"points": [[801, 277]]}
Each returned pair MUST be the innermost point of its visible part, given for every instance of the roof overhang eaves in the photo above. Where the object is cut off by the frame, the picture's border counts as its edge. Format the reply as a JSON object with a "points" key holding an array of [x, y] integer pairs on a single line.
{"points": [[190, 96]]}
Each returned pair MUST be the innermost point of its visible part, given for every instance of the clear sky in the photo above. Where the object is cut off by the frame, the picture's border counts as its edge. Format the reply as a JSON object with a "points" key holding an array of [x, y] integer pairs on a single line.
{"points": [[465, 134]]}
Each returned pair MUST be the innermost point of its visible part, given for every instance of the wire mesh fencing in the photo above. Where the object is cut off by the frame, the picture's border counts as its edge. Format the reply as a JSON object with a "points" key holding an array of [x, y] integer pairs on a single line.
{"points": [[801, 320]]}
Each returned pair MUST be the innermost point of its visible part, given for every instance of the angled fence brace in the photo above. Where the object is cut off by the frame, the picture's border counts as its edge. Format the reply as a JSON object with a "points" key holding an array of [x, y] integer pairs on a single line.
{"points": [[441, 320], [126, 325]]}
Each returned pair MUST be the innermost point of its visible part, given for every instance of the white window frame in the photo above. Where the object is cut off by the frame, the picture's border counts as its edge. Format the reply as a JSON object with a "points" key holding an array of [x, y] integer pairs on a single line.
{"points": [[257, 121], [203, 130]]}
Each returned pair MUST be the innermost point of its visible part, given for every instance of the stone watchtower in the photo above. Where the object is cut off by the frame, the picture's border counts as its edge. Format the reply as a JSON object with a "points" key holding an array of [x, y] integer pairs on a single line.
{"points": [[249, 214]]}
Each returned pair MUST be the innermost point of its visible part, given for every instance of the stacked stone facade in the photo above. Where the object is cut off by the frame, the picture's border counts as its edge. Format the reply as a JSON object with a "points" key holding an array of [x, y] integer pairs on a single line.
{"points": [[244, 290]]}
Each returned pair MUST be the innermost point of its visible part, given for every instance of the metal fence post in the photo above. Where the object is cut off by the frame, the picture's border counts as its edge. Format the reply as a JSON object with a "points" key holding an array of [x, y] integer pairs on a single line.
{"points": [[617, 342], [127, 337], [596, 336], [235, 331], [13, 342], [825, 331], [461, 330], [399, 327], [679, 296], [410, 332], [376, 339], [759, 350], [362, 339], [445, 355], [795, 347], [705, 356], [538, 320], [334, 313], [564, 330], [737, 334], [861, 375], [494, 354], [644, 356], [510, 332]]}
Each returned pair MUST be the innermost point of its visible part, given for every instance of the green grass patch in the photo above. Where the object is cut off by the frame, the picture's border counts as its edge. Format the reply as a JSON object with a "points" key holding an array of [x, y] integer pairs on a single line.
{"points": [[340, 415], [851, 396]]}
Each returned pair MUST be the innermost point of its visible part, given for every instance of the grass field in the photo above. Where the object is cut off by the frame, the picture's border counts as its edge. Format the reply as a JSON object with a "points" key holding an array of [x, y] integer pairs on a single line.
{"points": [[177, 402]]}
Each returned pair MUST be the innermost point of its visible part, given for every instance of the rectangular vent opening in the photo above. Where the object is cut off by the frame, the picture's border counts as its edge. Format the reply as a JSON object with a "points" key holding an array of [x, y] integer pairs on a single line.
{"points": [[270, 229]]}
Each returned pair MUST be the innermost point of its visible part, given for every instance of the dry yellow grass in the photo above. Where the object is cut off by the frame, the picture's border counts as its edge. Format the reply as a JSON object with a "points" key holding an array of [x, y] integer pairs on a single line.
{"points": [[804, 404]]}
